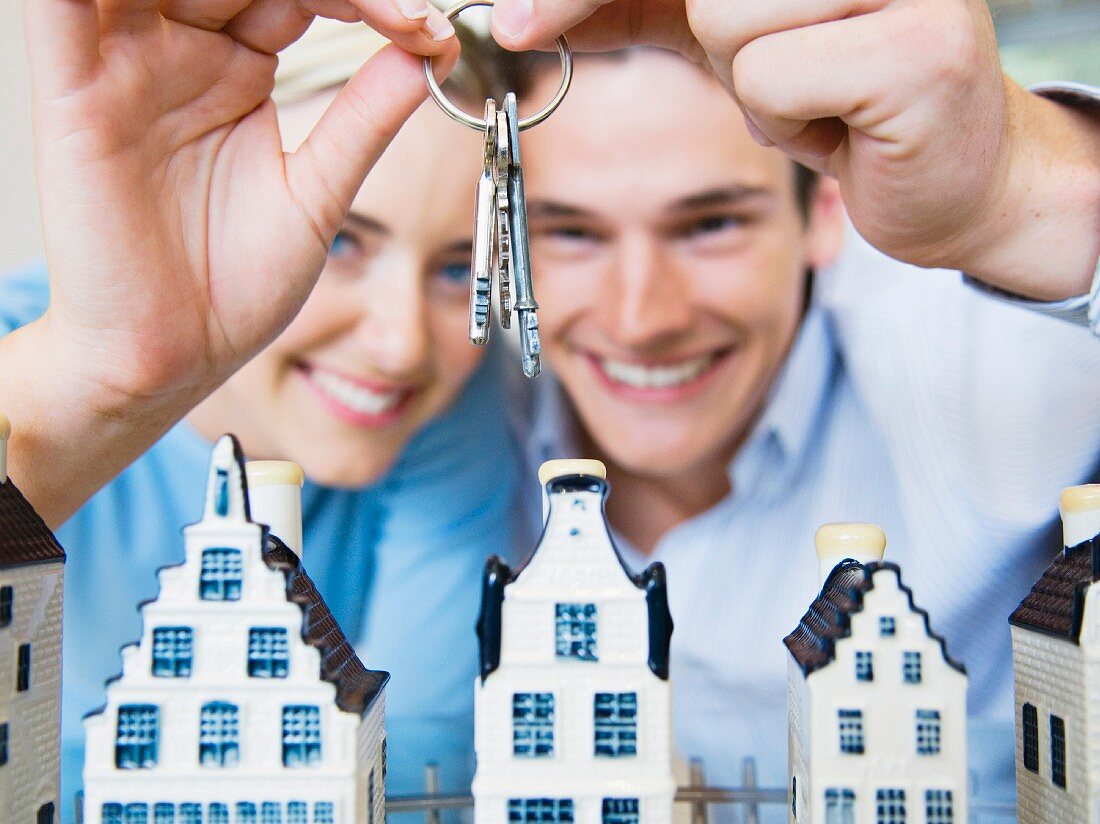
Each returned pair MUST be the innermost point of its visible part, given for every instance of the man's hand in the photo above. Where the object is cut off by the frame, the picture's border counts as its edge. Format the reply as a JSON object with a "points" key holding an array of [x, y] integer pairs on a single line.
{"points": [[942, 160], [180, 239]]}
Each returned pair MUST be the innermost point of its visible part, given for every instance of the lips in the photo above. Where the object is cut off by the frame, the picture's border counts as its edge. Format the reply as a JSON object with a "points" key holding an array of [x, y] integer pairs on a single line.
{"points": [[355, 401]]}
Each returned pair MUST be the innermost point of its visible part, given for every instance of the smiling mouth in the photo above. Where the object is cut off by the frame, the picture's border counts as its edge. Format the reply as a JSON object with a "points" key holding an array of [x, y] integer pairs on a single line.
{"points": [[354, 401], [662, 376]]}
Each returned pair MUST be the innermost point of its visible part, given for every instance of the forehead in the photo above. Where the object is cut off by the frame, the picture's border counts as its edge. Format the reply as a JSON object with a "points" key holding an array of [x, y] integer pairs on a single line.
{"points": [[646, 126]]}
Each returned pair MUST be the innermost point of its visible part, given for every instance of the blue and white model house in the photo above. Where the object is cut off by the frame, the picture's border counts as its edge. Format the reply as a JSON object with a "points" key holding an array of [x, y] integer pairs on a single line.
{"points": [[242, 701]]}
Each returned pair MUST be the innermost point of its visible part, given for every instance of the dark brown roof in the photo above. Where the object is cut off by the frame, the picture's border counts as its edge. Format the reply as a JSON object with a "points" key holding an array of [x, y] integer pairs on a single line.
{"points": [[24, 536], [813, 642], [356, 686], [1056, 604]]}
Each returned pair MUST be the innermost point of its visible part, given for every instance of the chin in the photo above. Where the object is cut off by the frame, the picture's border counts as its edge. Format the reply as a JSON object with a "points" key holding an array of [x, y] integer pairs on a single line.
{"points": [[340, 472]]}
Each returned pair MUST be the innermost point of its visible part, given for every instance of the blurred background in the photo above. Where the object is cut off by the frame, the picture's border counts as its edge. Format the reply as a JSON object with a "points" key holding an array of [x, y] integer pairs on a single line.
{"points": [[1040, 40]]}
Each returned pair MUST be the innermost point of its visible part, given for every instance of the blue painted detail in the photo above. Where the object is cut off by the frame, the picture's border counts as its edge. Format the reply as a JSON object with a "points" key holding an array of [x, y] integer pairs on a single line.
{"points": [[851, 731], [172, 652], [939, 807], [219, 735], [840, 805], [619, 811], [575, 631], [928, 732], [111, 813], [911, 667], [865, 665], [190, 813], [136, 814], [890, 806], [164, 813], [301, 736], [323, 812], [887, 626], [136, 737], [246, 813], [615, 721], [533, 724], [220, 578], [540, 811], [268, 655], [271, 813], [221, 495], [297, 812], [217, 813]]}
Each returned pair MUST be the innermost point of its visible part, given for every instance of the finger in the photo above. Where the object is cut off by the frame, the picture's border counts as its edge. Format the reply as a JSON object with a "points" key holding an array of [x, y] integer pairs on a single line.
{"points": [[326, 172], [203, 14], [62, 44], [516, 25]]}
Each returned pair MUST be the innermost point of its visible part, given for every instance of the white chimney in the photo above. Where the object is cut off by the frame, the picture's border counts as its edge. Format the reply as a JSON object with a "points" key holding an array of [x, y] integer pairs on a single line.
{"points": [[1080, 507], [559, 468], [836, 542], [275, 499], [5, 433]]}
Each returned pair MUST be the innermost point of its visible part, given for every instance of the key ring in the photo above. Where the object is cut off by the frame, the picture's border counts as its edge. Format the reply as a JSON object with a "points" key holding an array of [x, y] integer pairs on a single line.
{"points": [[478, 124]]}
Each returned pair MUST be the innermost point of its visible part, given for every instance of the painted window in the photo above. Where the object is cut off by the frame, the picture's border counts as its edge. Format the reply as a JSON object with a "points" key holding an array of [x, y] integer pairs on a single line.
{"points": [[136, 739], [301, 736], [323, 813], [23, 669], [1031, 737], [217, 813], [851, 731], [865, 665], [890, 806], [172, 651], [939, 807], [45, 813], [246, 813], [619, 811], [220, 578], [1058, 751], [840, 805], [271, 813], [267, 652], [221, 492], [887, 626], [190, 813], [7, 598], [3, 744], [533, 724], [297, 812], [370, 798], [136, 814], [928, 732], [219, 735], [910, 667], [615, 720], [111, 813], [164, 813], [794, 796], [575, 631], [540, 811]]}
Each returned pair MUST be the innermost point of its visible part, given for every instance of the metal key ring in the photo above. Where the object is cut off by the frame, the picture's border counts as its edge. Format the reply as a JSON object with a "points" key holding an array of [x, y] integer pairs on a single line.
{"points": [[479, 124]]}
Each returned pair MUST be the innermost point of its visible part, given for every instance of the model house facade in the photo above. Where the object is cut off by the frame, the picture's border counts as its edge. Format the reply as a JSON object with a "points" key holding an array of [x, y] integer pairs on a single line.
{"points": [[242, 701], [1056, 656], [32, 567], [877, 708], [573, 706]]}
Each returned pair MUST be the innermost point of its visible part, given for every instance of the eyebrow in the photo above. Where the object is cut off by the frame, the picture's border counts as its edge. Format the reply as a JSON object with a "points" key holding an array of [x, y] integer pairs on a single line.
{"points": [[721, 196], [367, 223]]}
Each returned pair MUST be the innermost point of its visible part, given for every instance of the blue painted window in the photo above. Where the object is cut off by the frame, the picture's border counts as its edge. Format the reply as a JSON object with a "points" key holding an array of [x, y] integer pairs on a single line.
{"points": [[23, 669], [136, 739], [46, 813], [323, 812], [220, 578], [164, 813], [851, 731], [7, 598], [221, 492], [890, 806], [111, 813], [887, 626], [533, 724], [136, 814], [865, 665], [370, 798], [540, 811], [219, 735], [3, 744], [615, 720], [297, 812], [840, 806], [217, 814], [190, 813], [619, 811], [301, 736], [910, 667], [928, 732], [575, 631], [939, 807], [1031, 737], [172, 651], [246, 813], [267, 652], [1058, 751], [271, 813]]}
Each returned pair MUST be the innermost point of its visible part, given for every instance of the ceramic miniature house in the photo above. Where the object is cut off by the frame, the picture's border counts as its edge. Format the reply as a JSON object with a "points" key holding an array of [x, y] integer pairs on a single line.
{"points": [[32, 567], [1056, 655], [877, 708], [573, 707], [242, 701]]}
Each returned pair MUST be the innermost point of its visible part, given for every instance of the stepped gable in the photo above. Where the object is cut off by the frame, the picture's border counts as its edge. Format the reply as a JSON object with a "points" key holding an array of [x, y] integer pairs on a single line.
{"points": [[24, 536], [1056, 603]]}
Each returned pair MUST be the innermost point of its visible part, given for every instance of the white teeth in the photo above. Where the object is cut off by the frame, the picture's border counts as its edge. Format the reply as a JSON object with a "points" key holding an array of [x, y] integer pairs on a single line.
{"points": [[655, 377], [355, 397]]}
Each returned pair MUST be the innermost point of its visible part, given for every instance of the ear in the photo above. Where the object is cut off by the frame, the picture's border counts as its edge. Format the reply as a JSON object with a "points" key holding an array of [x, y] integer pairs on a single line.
{"points": [[825, 233]]}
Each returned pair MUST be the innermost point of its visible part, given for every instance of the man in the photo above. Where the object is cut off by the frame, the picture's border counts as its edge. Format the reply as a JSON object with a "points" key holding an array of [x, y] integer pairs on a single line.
{"points": [[736, 413]]}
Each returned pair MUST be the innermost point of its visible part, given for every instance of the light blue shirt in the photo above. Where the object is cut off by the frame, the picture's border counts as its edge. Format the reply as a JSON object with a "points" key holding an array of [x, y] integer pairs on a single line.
{"points": [[949, 419], [399, 563]]}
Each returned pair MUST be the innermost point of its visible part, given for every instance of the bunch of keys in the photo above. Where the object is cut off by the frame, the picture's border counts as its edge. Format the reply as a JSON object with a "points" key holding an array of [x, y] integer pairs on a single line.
{"points": [[501, 248]]}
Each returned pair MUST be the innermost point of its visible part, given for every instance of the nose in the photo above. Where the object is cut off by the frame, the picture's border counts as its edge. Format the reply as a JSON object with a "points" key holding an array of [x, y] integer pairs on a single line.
{"points": [[395, 331], [647, 301]]}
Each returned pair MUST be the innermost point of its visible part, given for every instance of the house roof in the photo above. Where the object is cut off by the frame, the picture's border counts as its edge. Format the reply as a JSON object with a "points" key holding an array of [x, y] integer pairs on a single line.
{"points": [[829, 618], [1056, 604], [24, 537]]}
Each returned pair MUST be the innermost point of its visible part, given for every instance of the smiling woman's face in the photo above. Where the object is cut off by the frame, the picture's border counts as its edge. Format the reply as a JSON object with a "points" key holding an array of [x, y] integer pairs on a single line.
{"points": [[380, 346]]}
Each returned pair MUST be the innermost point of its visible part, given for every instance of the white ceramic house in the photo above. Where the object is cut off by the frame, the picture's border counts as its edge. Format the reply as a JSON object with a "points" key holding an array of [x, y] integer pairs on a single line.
{"points": [[1056, 655], [877, 708], [32, 567], [242, 701], [573, 706]]}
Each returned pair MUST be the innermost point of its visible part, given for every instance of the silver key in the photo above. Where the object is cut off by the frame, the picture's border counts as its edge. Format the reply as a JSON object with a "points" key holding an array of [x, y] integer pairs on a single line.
{"points": [[504, 233], [485, 228], [520, 254]]}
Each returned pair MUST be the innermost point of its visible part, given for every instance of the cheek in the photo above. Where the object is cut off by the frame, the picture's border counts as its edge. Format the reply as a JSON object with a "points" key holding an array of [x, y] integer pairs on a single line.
{"points": [[455, 358]]}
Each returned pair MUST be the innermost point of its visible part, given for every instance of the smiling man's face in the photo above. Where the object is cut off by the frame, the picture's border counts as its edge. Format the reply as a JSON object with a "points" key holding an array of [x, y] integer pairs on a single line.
{"points": [[670, 257]]}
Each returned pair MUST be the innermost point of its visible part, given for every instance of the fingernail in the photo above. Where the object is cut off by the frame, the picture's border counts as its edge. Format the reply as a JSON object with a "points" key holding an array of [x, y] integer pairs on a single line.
{"points": [[511, 17], [437, 25], [412, 9], [756, 134]]}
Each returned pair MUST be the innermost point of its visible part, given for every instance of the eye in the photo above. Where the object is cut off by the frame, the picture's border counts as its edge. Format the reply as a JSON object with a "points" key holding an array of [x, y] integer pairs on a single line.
{"points": [[456, 272], [713, 224], [343, 245]]}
